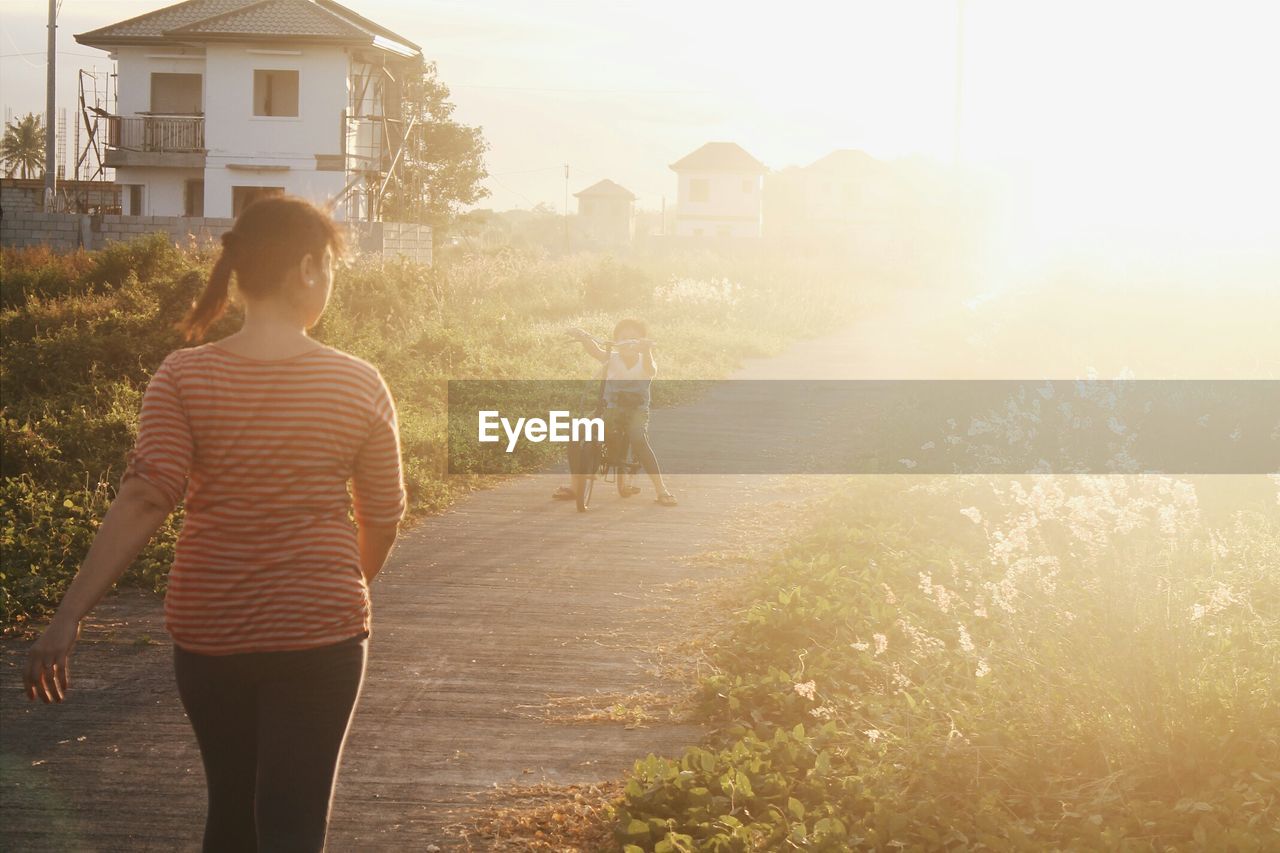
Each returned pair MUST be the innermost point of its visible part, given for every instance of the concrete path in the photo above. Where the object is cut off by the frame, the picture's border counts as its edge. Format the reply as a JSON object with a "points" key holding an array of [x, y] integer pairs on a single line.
{"points": [[483, 615]]}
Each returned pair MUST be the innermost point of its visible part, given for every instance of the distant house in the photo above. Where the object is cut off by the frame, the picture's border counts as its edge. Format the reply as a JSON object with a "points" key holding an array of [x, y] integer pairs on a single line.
{"points": [[607, 213], [847, 194], [719, 192], [222, 101], [846, 188]]}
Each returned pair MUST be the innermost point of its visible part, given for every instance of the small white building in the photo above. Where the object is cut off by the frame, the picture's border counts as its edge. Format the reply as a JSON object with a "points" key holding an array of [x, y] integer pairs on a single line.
{"points": [[221, 101], [606, 211], [719, 192]]}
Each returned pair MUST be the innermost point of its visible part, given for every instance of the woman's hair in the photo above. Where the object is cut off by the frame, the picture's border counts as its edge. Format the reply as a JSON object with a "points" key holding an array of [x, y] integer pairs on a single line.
{"points": [[270, 238], [631, 321]]}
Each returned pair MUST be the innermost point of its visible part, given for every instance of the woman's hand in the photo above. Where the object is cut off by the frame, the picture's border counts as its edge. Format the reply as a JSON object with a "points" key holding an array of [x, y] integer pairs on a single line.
{"points": [[46, 675], [578, 334], [138, 510]]}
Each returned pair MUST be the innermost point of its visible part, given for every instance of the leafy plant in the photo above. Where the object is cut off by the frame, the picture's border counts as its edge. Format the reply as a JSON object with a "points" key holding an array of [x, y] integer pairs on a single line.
{"points": [[1037, 663]]}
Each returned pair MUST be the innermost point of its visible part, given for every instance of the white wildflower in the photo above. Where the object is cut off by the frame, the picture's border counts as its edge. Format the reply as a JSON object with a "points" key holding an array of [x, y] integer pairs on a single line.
{"points": [[973, 514], [882, 643], [943, 598], [966, 642], [873, 735], [983, 669], [807, 689]]}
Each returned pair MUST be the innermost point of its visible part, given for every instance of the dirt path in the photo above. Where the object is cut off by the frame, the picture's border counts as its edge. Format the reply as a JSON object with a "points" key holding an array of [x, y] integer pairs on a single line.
{"points": [[483, 614]]}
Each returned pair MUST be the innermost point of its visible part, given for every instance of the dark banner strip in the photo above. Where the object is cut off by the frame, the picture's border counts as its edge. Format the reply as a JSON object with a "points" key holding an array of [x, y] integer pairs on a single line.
{"points": [[886, 426]]}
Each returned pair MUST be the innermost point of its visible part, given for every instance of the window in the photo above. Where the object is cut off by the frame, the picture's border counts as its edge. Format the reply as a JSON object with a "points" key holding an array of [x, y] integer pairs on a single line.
{"points": [[193, 198], [275, 93], [135, 200], [177, 94], [699, 189], [242, 197]]}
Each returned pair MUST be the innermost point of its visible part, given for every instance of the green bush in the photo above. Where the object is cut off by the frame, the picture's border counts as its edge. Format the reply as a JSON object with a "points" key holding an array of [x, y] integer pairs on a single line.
{"points": [[83, 333], [45, 535]]}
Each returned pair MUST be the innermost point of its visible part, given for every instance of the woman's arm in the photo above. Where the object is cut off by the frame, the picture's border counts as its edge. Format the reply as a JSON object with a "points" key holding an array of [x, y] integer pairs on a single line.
{"points": [[377, 486], [133, 518], [375, 546]]}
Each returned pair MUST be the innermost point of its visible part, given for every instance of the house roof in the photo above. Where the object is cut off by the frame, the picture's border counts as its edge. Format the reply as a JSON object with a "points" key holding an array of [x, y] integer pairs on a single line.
{"points": [[291, 18], [606, 188], [844, 160], [720, 157], [250, 20]]}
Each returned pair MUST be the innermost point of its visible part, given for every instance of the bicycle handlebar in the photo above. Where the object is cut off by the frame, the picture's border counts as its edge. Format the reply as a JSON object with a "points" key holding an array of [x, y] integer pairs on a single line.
{"points": [[614, 344]]}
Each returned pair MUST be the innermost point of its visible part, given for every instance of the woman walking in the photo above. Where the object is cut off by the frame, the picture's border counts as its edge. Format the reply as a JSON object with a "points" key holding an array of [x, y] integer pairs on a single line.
{"points": [[268, 599]]}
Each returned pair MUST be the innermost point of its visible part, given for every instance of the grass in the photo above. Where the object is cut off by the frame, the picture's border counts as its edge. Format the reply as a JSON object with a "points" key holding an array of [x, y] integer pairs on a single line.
{"points": [[83, 332]]}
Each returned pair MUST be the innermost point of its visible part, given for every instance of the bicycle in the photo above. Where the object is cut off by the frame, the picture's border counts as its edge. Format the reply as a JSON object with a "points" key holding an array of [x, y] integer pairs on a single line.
{"points": [[600, 460]]}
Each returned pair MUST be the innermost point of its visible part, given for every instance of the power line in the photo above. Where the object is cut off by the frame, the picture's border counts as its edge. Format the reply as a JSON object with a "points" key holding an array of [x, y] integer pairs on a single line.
{"points": [[60, 53], [578, 90]]}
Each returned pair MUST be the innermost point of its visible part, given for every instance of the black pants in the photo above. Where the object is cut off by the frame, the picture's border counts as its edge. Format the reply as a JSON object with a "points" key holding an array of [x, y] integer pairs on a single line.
{"points": [[270, 727]]}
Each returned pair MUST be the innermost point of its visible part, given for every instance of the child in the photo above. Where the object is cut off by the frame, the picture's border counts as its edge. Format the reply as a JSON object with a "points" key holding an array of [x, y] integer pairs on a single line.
{"points": [[629, 371]]}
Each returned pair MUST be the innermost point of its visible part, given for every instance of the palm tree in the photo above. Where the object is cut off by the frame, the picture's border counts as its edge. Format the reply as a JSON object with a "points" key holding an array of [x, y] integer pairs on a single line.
{"points": [[22, 148]]}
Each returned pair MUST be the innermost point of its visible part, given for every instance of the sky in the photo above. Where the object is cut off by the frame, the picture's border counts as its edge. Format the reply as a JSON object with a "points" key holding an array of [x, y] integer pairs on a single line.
{"points": [[1129, 116]]}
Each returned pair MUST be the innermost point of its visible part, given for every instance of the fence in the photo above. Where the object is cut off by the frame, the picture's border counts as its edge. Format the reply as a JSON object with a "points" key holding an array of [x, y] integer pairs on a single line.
{"points": [[156, 133]]}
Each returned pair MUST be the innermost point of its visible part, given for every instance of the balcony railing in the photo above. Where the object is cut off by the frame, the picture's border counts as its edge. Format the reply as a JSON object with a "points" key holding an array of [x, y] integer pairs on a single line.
{"points": [[157, 133]]}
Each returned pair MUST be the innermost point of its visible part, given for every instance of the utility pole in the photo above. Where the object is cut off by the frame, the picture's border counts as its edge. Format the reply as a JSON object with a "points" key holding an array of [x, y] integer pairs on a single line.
{"points": [[566, 208], [959, 116], [50, 126]]}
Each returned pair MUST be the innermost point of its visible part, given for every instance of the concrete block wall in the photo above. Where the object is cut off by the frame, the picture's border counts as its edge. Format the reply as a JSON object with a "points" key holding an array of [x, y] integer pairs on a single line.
{"points": [[67, 232], [59, 231], [407, 240], [19, 196]]}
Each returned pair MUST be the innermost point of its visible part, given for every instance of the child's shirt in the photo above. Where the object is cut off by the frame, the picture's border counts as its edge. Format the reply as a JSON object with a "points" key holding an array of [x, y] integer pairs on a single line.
{"points": [[621, 379]]}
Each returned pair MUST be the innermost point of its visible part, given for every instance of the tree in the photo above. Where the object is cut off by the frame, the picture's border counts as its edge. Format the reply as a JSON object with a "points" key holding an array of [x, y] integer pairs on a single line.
{"points": [[22, 148], [442, 162]]}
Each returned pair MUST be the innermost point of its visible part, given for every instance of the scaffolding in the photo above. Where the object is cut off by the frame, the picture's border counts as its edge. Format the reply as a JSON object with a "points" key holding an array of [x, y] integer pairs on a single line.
{"points": [[97, 104], [374, 137]]}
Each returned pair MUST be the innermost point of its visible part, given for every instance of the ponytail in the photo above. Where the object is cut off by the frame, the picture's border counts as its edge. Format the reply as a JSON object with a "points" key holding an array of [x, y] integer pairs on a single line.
{"points": [[206, 310], [270, 237]]}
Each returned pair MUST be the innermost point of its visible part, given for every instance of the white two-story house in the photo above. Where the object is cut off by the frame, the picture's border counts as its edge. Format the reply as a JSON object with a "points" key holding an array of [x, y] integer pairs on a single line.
{"points": [[221, 101], [718, 192]]}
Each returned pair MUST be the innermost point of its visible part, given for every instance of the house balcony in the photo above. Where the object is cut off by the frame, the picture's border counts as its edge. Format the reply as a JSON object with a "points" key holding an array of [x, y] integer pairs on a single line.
{"points": [[155, 140]]}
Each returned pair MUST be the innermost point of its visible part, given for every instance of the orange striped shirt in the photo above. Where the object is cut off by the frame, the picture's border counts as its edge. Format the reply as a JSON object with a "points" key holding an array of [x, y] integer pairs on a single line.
{"points": [[263, 452]]}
